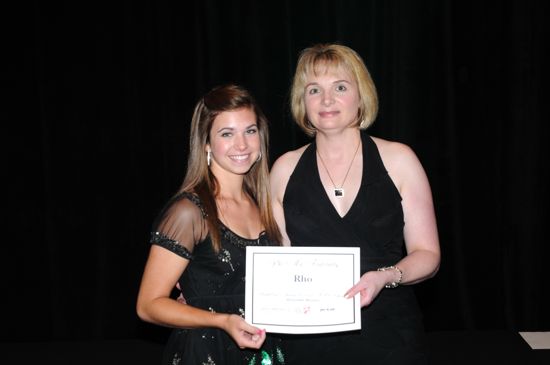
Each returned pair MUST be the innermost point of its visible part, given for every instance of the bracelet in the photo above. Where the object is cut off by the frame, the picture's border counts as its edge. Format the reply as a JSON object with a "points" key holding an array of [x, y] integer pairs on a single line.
{"points": [[396, 283]]}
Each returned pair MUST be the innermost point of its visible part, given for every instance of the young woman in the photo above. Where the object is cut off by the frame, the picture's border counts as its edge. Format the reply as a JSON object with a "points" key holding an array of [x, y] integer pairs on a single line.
{"points": [[199, 239]]}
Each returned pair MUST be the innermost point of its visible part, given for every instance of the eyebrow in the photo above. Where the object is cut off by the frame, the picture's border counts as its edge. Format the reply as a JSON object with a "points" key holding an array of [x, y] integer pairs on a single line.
{"points": [[232, 129], [334, 82]]}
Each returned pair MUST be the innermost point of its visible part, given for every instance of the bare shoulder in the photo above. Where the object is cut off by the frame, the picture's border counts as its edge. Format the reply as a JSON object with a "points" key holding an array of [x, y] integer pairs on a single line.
{"points": [[283, 168], [399, 160], [286, 163], [395, 154]]}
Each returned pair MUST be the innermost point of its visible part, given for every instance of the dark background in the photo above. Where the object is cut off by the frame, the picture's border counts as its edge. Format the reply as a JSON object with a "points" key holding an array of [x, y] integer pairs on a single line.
{"points": [[96, 110]]}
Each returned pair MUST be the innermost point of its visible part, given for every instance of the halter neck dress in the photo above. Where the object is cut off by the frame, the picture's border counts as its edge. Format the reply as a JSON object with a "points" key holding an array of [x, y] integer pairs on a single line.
{"points": [[392, 329]]}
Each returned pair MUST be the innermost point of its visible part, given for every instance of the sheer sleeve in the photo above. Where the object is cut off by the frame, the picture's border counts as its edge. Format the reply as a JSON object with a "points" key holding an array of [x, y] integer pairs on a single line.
{"points": [[180, 226]]}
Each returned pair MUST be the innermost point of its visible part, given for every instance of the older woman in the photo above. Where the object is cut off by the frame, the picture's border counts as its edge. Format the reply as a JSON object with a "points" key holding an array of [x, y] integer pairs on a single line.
{"points": [[350, 189]]}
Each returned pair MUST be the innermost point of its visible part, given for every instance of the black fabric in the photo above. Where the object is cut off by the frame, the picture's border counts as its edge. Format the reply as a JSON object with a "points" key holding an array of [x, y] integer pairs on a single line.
{"points": [[213, 281], [445, 348], [97, 101], [391, 327]]}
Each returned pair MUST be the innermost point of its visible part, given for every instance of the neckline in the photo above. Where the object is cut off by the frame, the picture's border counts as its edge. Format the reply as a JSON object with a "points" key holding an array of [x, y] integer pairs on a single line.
{"points": [[320, 186], [231, 232], [225, 229]]}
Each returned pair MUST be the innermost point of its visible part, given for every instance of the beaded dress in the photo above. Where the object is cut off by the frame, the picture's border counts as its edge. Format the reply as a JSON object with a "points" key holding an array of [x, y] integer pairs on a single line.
{"points": [[212, 281], [391, 327]]}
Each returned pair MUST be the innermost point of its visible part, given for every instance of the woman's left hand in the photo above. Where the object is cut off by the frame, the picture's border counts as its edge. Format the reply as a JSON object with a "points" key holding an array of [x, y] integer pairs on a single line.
{"points": [[370, 284]]}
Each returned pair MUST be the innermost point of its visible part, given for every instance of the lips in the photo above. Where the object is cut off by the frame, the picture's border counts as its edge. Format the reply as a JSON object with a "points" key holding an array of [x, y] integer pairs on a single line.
{"points": [[240, 158], [328, 114]]}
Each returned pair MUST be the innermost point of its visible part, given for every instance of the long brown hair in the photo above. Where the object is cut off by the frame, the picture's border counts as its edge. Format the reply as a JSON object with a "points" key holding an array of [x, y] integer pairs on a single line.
{"points": [[200, 180]]}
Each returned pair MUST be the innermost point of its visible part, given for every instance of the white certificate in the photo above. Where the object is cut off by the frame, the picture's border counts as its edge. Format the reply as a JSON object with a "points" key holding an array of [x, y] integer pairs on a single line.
{"points": [[301, 290]]}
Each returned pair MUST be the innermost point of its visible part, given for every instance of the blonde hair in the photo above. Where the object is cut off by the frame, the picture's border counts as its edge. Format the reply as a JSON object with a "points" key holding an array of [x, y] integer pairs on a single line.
{"points": [[200, 180], [332, 56]]}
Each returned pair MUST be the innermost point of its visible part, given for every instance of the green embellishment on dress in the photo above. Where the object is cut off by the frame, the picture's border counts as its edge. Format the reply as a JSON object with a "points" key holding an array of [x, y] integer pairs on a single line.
{"points": [[279, 354], [266, 360], [252, 361]]}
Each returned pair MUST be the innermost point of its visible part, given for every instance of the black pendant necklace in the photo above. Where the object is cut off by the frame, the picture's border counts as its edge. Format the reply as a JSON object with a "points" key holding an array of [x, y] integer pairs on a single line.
{"points": [[339, 192]]}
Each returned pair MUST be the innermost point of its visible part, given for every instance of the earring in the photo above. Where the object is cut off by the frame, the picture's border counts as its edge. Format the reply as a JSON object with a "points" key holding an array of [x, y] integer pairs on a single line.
{"points": [[208, 157], [259, 157]]}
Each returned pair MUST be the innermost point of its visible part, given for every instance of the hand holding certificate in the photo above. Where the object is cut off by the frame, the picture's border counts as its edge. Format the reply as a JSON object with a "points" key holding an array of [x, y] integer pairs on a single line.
{"points": [[301, 289]]}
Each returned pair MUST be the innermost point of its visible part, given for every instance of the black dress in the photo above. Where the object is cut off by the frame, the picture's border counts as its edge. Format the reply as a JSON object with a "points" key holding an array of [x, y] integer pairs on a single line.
{"points": [[391, 327], [212, 281]]}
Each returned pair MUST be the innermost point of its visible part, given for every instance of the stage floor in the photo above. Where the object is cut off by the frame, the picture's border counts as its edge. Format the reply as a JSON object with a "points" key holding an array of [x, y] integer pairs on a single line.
{"points": [[483, 347], [446, 348]]}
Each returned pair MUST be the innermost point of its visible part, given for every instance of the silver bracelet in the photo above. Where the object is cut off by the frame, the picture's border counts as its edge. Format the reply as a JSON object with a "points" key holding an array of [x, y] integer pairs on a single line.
{"points": [[396, 283]]}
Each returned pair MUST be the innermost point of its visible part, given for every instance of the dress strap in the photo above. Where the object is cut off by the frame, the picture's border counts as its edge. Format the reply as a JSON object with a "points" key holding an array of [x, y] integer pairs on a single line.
{"points": [[373, 167]]}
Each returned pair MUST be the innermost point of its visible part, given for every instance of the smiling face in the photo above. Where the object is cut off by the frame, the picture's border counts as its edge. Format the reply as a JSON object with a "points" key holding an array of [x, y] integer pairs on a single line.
{"points": [[234, 142], [331, 98]]}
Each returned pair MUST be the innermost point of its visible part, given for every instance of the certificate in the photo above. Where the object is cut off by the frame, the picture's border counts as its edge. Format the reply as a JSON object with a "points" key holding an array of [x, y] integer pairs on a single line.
{"points": [[301, 290]]}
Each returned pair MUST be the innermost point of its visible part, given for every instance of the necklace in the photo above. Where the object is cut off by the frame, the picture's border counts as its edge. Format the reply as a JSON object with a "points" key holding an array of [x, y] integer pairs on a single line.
{"points": [[222, 201], [339, 192]]}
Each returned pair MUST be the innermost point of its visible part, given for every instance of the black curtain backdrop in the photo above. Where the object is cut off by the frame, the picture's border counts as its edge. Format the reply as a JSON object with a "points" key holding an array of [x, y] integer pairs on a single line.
{"points": [[97, 104]]}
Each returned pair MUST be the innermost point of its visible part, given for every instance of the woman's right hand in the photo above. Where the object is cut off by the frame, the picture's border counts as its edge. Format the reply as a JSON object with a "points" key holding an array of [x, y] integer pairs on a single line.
{"points": [[369, 286], [244, 334]]}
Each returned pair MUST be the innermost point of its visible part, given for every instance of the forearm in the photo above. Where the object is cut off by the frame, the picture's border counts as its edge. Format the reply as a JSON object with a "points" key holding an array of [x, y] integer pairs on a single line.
{"points": [[416, 267], [170, 313]]}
